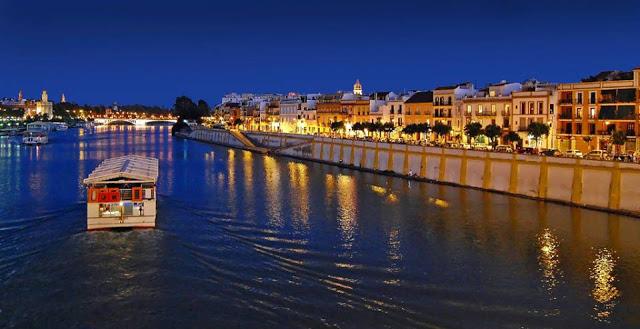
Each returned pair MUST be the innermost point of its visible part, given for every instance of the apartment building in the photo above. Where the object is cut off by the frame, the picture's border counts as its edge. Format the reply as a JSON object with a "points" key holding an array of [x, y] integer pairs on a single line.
{"points": [[447, 106], [589, 111], [418, 108]]}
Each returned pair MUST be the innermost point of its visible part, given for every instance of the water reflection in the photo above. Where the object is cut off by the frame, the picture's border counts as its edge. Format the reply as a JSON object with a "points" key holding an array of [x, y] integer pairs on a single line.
{"points": [[274, 192], [347, 208], [549, 261], [287, 242], [604, 292]]}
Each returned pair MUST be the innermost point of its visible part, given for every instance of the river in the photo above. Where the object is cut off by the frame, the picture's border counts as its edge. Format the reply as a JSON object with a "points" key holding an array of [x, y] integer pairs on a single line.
{"points": [[247, 240]]}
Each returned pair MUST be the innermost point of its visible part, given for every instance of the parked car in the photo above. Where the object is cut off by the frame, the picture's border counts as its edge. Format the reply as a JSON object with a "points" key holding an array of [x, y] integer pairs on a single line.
{"points": [[552, 152], [527, 150], [624, 157], [573, 154], [482, 147], [504, 148], [597, 155]]}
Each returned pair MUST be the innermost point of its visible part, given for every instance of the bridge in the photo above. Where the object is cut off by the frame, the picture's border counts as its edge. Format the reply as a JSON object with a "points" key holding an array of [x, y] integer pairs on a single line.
{"points": [[133, 121]]}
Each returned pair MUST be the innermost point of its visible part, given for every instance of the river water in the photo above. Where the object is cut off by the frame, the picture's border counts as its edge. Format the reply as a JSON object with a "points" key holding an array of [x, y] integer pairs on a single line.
{"points": [[247, 241]]}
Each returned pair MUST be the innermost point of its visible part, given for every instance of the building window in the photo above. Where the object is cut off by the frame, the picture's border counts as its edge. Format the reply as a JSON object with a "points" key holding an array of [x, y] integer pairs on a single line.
{"points": [[493, 109], [479, 109], [400, 109], [469, 109], [540, 108], [592, 113], [507, 109], [579, 113], [579, 98], [532, 108]]}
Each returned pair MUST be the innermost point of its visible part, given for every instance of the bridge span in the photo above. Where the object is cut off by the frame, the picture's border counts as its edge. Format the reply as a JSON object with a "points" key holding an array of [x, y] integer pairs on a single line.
{"points": [[137, 122]]}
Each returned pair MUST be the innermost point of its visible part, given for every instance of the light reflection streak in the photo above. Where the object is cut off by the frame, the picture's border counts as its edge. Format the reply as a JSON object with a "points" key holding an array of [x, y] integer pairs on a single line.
{"points": [[347, 208], [299, 182], [274, 198], [604, 292], [549, 261]]}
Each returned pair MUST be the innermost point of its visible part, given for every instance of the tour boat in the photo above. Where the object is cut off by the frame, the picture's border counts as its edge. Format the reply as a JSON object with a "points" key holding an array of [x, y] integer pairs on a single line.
{"points": [[60, 126], [39, 126], [35, 138], [122, 193]]}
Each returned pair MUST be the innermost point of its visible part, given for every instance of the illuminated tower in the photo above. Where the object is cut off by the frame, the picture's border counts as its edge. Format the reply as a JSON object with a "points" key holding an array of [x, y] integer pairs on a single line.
{"points": [[45, 97], [20, 95], [357, 88], [63, 99]]}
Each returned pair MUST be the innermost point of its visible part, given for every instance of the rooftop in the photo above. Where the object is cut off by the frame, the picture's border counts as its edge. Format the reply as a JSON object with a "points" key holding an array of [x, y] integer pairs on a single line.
{"points": [[129, 168], [421, 97]]}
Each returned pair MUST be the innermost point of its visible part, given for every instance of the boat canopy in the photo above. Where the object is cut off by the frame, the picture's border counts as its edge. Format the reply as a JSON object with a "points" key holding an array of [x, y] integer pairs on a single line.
{"points": [[124, 169]]}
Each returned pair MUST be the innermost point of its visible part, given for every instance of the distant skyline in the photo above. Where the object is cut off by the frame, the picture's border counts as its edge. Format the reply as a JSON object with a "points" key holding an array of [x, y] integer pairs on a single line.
{"points": [[149, 52]]}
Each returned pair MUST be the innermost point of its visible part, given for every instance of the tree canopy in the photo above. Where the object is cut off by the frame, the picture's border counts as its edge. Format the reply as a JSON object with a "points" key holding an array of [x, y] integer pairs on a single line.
{"points": [[537, 130], [493, 131], [473, 130], [441, 129]]}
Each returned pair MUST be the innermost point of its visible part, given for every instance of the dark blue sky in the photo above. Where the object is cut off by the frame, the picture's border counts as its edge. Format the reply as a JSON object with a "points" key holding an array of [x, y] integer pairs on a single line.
{"points": [[151, 51]]}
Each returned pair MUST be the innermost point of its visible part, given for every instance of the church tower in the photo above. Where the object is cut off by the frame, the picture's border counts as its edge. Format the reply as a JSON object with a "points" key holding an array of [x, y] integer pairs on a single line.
{"points": [[63, 99], [45, 97], [357, 88], [20, 95]]}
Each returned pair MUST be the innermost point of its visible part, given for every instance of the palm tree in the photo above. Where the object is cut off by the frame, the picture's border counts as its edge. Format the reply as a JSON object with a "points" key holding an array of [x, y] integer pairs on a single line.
{"points": [[493, 131], [537, 130], [473, 130], [410, 129]]}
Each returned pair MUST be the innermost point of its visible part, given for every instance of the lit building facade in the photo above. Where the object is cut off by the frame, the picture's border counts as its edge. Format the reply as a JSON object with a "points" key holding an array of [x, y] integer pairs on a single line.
{"points": [[590, 110]]}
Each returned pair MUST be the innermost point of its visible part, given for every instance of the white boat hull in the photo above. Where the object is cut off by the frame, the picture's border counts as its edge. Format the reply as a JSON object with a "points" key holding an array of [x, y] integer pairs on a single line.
{"points": [[35, 140]]}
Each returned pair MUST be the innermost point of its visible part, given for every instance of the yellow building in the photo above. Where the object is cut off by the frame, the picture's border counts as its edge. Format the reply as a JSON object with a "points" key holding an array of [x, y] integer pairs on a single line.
{"points": [[418, 108], [329, 109], [590, 110]]}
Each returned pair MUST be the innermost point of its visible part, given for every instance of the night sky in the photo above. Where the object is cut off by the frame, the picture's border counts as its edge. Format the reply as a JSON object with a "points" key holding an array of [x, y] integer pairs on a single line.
{"points": [[150, 51]]}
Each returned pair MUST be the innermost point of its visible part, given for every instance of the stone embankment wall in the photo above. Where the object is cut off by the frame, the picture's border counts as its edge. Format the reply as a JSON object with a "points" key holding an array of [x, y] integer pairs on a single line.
{"points": [[597, 184], [215, 136]]}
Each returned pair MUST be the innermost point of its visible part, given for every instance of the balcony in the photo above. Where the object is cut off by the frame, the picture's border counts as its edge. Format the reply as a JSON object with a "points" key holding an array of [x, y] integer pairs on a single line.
{"points": [[565, 101], [485, 114], [565, 116]]}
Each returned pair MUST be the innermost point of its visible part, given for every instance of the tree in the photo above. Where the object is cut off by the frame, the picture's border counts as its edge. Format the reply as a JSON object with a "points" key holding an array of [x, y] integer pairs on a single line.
{"points": [[512, 137], [186, 109], [410, 129], [337, 126], [441, 129], [588, 139], [537, 130], [493, 131], [238, 122], [618, 138], [388, 127], [473, 130], [203, 108], [358, 126]]}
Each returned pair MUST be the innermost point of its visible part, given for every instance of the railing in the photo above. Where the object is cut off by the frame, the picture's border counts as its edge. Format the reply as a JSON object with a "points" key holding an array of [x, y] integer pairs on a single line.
{"points": [[485, 114], [565, 101], [566, 116]]}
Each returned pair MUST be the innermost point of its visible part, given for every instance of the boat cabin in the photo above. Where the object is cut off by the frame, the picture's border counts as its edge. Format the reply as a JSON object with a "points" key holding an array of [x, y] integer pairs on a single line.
{"points": [[121, 192]]}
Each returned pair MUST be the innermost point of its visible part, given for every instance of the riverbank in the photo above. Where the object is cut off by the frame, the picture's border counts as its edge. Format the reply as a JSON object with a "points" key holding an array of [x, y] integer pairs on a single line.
{"points": [[599, 185]]}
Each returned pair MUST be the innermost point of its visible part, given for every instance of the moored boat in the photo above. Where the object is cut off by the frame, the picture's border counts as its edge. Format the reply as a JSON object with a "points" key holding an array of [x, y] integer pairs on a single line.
{"points": [[35, 138], [122, 193]]}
